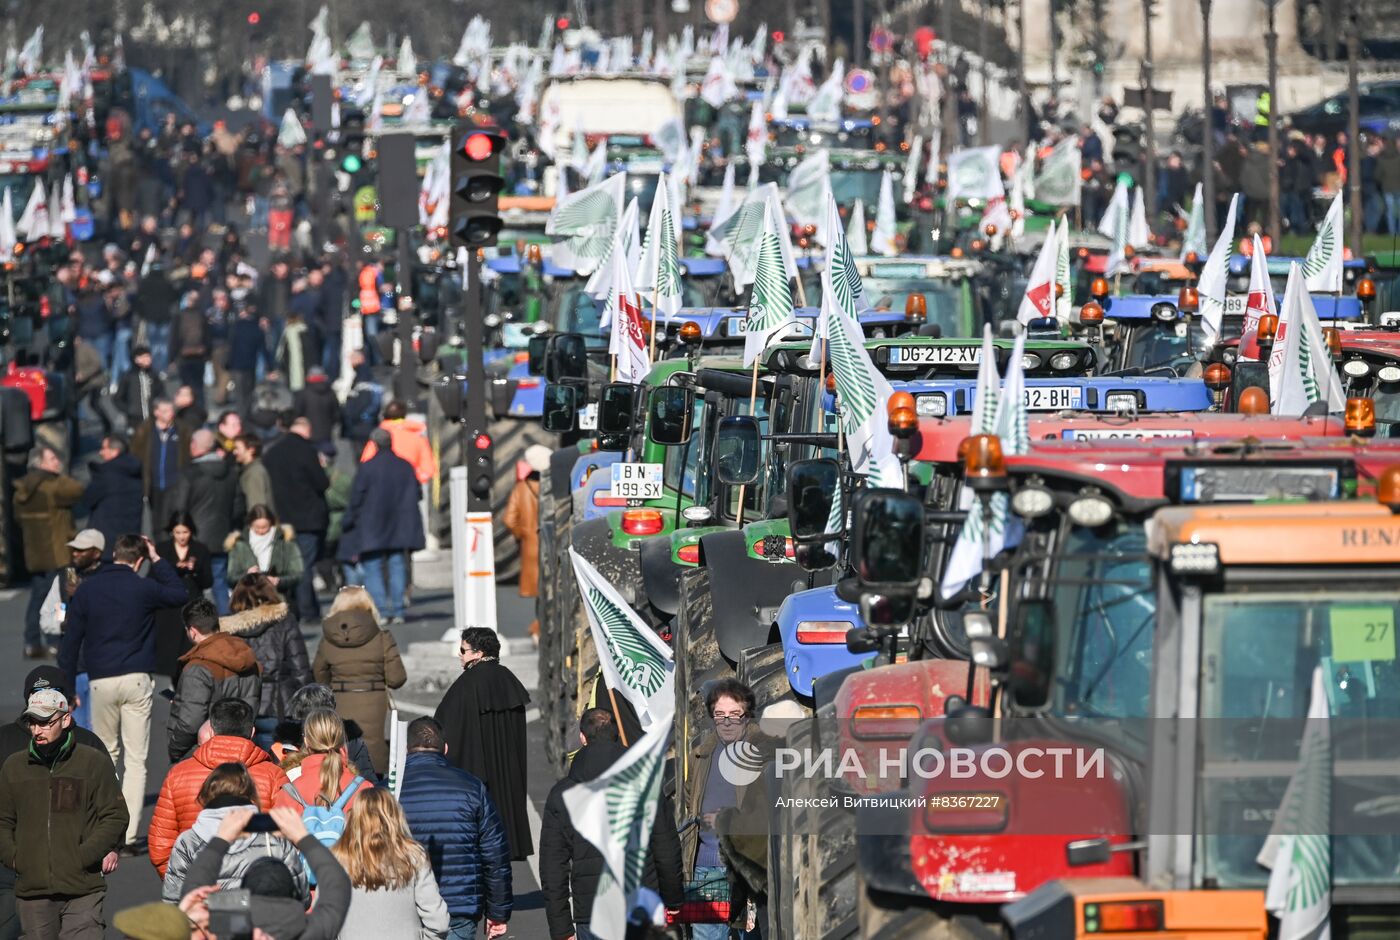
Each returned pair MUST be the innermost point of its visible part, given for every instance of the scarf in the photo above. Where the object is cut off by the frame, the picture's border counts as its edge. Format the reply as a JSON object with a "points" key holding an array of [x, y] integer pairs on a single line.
{"points": [[262, 547]]}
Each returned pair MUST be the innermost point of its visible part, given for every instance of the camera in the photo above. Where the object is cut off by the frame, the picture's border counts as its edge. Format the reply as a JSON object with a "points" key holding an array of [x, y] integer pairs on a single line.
{"points": [[230, 914]]}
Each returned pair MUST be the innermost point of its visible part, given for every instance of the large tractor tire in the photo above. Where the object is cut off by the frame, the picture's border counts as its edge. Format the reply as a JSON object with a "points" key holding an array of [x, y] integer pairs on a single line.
{"points": [[550, 658], [563, 654], [697, 661], [890, 918], [763, 670]]}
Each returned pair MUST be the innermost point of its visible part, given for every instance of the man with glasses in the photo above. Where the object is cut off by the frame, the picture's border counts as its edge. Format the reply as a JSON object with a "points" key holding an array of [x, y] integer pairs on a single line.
{"points": [[62, 819]]}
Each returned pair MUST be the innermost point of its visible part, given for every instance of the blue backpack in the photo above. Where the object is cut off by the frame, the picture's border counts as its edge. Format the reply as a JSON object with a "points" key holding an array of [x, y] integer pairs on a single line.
{"points": [[326, 823]]}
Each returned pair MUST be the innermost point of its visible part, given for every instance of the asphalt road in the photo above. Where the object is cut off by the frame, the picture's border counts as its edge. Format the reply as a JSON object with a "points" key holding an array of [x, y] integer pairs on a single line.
{"points": [[135, 880]]}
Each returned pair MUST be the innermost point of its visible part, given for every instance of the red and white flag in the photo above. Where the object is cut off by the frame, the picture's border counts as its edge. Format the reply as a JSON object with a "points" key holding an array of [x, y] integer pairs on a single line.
{"points": [[1261, 301], [627, 342], [1039, 301]]}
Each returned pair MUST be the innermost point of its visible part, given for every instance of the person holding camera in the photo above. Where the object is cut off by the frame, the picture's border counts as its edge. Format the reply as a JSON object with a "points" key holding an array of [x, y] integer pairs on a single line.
{"points": [[227, 792], [62, 819]]}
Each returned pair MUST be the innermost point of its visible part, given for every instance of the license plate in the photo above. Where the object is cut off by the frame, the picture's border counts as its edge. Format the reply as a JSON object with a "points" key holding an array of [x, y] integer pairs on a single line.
{"points": [[645, 165], [738, 326], [1235, 304], [588, 417], [935, 355], [636, 480], [897, 270], [1053, 397], [1122, 434]]}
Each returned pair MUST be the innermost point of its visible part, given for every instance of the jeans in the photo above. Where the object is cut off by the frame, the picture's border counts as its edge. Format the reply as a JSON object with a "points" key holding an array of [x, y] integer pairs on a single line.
{"points": [[158, 339], [309, 544], [1294, 211], [63, 918], [461, 927], [121, 351], [374, 563], [191, 373], [330, 356], [1373, 209], [102, 345], [82, 712], [218, 565], [715, 931], [121, 717], [39, 585], [370, 325], [1392, 212]]}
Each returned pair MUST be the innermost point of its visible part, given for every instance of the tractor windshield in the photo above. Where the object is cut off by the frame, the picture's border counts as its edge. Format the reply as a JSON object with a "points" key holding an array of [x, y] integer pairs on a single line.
{"points": [[1105, 612], [943, 298], [1259, 650], [1175, 346]]}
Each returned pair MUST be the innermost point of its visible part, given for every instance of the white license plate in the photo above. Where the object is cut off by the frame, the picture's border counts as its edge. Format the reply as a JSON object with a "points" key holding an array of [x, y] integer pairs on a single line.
{"points": [[1235, 304], [1123, 434], [935, 355], [738, 326], [636, 480], [1053, 397]]}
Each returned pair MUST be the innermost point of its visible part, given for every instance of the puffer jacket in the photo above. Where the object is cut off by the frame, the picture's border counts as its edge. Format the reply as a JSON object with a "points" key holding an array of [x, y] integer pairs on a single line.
{"points": [[177, 806], [220, 666], [408, 439], [306, 780], [451, 814], [569, 863], [244, 851], [360, 662], [273, 633]]}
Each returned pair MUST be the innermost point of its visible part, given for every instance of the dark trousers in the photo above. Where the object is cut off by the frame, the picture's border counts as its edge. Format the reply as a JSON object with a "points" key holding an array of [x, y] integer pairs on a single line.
{"points": [[309, 544], [59, 918], [191, 373], [9, 917], [161, 503], [243, 382], [39, 585]]}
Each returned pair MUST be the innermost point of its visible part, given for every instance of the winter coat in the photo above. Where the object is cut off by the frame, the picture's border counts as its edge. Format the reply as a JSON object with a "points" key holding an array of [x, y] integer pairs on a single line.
{"points": [[522, 520], [297, 351], [247, 344], [137, 391], [219, 666], [111, 620], [299, 483], [378, 913], [58, 821], [383, 512], [360, 662], [570, 864], [172, 641], [43, 507], [451, 814], [1254, 175], [286, 740], [318, 404], [276, 639], [208, 490], [243, 852], [178, 802], [306, 780], [274, 297], [286, 917], [256, 485], [112, 499], [286, 559], [1388, 170], [189, 337], [142, 448], [408, 439]]}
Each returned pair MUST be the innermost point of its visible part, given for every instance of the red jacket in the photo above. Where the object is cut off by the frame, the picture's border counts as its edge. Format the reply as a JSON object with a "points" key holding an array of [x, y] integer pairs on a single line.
{"points": [[409, 441], [178, 803], [308, 784]]}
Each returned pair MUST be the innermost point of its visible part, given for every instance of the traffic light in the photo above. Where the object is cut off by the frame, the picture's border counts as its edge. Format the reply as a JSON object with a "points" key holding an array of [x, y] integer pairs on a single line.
{"points": [[474, 218], [1128, 149], [479, 465]]}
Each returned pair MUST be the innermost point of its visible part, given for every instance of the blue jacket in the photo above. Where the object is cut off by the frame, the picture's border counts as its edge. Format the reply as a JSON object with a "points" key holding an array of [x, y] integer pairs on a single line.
{"points": [[111, 620], [383, 511], [113, 498], [247, 344], [452, 816]]}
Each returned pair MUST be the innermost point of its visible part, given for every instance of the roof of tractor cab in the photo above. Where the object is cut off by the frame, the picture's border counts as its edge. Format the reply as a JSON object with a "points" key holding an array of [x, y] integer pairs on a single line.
{"points": [[939, 437], [1348, 533]]}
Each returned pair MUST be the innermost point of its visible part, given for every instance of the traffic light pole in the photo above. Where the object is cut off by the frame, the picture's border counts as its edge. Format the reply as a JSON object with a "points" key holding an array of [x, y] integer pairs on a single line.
{"points": [[478, 459]]}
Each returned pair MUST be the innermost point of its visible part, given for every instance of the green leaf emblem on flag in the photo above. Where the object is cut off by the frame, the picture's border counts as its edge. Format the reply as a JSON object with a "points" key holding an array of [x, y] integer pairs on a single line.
{"points": [[637, 662]]}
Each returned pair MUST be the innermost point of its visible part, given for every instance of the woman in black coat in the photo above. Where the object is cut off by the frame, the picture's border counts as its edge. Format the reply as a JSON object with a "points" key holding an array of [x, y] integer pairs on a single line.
{"points": [[263, 618], [191, 560]]}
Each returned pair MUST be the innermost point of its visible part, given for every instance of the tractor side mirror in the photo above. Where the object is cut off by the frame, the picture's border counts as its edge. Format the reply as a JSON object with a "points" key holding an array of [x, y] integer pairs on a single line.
{"points": [[537, 349], [669, 414], [887, 545], [617, 406], [814, 489], [567, 358], [560, 408], [738, 450], [1031, 652]]}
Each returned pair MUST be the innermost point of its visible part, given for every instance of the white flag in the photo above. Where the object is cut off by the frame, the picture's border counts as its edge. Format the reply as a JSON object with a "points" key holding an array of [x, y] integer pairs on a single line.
{"points": [[586, 220], [408, 62], [724, 208], [55, 206], [1195, 237], [911, 168], [634, 662], [1016, 202], [975, 173], [806, 188], [826, 104], [616, 812], [1039, 300], [291, 133], [737, 236], [718, 85], [7, 227], [1114, 224], [855, 231], [597, 164], [882, 240], [1303, 374], [1323, 265], [68, 204], [845, 279], [628, 238], [1298, 850], [770, 304], [34, 221], [756, 144], [627, 339], [935, 157], [1063, 277], [1260, 302], [660, 272], [1214, 276], [1059, 180], [1139, 234]]}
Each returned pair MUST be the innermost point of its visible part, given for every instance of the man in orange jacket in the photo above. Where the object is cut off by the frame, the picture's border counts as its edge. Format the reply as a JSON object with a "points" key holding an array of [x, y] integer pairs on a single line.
{"points": [[178, 804], [409, 440]]}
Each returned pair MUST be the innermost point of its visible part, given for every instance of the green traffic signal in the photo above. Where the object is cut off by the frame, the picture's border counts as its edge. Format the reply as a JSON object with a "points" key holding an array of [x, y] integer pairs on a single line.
{"points": [[351, 163]]}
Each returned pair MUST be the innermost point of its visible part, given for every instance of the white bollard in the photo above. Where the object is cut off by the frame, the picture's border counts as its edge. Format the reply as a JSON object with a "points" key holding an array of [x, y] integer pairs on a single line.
{"points": [[473, 562]]}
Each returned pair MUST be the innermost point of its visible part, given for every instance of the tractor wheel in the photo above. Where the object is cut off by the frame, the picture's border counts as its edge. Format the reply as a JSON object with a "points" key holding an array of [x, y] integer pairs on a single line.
{"points": [[763, 670], [697, 661], [558, 633], [885, 917]]}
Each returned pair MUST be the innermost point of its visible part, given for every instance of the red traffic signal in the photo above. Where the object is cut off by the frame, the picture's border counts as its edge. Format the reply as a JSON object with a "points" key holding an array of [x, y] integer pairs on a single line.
{"points": [[778, 35], [254, 18], [483, 145], [562, 23]]}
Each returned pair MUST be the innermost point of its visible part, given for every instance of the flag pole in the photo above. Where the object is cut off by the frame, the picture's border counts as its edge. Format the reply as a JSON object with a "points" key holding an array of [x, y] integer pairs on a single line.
{"points": [[801, 291], [654, 312], [617, 715]]}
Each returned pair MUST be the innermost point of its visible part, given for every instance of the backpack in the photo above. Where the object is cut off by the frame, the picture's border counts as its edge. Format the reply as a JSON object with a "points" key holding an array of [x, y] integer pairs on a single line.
{"points": [[326, 823]]}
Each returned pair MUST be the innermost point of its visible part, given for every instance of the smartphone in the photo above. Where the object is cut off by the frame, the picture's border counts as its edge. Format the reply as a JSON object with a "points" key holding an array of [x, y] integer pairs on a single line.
{"points": [[261, 822], [230, 914]]}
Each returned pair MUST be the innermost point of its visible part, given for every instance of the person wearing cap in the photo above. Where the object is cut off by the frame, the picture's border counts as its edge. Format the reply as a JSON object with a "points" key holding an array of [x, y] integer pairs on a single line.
{"points": [[43, 506], [85, 554], [62, 819], [14, 738]]}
